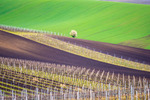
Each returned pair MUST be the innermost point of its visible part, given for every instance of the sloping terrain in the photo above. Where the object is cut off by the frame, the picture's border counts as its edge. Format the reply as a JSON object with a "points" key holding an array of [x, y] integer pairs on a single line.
{"points": [[18, 47], [126, 52], [143, 42], [111, 22]]}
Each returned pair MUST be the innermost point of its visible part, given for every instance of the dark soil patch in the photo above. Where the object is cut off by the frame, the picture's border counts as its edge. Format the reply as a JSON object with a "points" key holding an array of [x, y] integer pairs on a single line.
{"points": [[130, 53], [14, 46]]}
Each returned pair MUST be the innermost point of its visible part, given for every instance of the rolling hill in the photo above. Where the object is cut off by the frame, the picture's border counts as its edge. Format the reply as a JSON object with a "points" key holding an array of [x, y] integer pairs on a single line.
{"points": [[22, 48], [111, 22], [130, 53], [39, 64]]}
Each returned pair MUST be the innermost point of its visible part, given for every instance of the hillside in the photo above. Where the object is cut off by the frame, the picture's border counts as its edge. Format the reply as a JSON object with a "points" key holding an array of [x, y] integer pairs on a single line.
{"points": [[22, 48], [130, 53], [111, 22]]}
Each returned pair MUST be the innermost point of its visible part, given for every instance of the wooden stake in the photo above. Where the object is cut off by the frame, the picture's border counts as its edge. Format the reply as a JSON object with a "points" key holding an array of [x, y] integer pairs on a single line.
{"points": [[107, 76], [118, 78], [123, 78], [102, 75]]}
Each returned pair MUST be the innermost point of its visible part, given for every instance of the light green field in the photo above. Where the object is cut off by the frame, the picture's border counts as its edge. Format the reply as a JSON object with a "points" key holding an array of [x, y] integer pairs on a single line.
{"points": [[140, 43], [103, 21]]}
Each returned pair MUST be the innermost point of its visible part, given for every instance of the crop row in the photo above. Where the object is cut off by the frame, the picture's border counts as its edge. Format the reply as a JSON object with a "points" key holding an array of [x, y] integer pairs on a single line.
{"points": [[82, 51], [19, 74], [52, 76], [25, 79], [99, 94], [79, 73], [20, 29]]}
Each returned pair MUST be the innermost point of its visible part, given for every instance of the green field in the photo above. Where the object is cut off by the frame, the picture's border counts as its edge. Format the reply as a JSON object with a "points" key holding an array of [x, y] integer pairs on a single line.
{"points": [[103, 21]]}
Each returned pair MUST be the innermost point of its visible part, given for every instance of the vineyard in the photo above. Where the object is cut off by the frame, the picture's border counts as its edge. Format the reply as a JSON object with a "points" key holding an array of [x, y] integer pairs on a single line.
{"points": [[46, 39], [26, 79], [30, 79]]}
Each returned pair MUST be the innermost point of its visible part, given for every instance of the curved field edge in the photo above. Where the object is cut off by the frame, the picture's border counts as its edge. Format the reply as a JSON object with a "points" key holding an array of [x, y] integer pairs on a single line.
{"points": [[148, 47], [77, 50], [143, 42], [103, 21], [125, 52]]}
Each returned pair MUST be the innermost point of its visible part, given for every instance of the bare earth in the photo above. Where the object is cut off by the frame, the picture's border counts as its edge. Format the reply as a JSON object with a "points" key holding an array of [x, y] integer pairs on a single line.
{"points": [[135, 54], [18, 47]]}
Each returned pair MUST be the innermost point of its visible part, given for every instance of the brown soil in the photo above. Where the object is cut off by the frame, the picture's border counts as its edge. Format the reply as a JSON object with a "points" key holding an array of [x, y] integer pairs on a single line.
{"points": [[18, 47], [130, 53]]}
